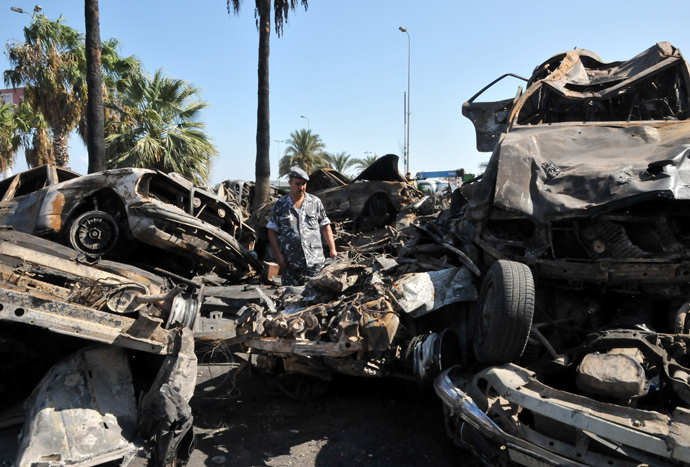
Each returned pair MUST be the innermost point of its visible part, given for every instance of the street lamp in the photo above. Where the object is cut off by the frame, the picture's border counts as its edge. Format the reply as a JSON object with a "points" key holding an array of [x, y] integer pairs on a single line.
{"points": [[407, 120], [308, 126], [37, 9]]}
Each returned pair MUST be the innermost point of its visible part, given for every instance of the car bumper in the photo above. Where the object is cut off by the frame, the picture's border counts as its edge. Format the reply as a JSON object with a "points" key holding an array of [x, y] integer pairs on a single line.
{"points": [[603, 434]]}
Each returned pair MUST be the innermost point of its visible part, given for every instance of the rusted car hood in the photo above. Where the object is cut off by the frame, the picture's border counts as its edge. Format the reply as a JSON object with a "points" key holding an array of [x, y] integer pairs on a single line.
{"points": [[569, 170]]}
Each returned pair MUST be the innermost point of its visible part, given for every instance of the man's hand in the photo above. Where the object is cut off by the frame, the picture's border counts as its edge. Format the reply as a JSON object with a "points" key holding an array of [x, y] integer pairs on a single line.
{"points": [[273, 241], [328, 235], [281, 261]]}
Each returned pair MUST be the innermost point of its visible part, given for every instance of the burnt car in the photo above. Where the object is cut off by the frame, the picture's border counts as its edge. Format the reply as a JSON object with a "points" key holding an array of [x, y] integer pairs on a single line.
{"points": [[579, 340], [241, 193], [99, 353], [374, 199], [123, 213]]}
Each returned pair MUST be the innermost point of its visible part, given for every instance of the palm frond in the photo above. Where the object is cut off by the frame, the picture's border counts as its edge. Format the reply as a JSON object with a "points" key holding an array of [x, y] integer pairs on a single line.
{"points": [[160, 126], [305, 150]]}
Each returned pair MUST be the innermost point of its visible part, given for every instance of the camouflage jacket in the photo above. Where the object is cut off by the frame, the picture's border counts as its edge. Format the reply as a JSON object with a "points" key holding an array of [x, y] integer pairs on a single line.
{"points": [[300, 234]]}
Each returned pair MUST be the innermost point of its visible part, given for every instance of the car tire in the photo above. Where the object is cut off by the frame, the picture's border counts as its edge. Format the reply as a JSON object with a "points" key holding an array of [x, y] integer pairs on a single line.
{"points": [[502, 321], [94, 233]]}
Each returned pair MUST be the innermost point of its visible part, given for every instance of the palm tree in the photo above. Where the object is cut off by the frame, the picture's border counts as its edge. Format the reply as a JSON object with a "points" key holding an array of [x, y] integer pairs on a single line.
{"points": [[33, 134], [262, 12], [115, 69], [361, 164], [9, 137], [50, 63], [340, 162], [94, 80], [158, 127], [304, 150]]}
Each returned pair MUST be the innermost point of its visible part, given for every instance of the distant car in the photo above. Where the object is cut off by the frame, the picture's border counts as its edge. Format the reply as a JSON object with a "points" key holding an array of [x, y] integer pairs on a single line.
{"points": [[435, 187], [123, 213]]}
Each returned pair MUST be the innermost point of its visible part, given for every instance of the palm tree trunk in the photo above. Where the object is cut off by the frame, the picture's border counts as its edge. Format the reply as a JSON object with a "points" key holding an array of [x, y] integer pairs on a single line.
{"points": [[94, 80], [60, 148], [263, 130]]}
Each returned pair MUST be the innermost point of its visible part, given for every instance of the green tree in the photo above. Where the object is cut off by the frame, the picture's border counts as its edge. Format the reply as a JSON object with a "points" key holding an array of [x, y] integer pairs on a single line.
{"points": [[304, 150], [33, 134], [361, 164], [158, 126], [50, 64], [9, 135], [341, 161], [262, 13]]}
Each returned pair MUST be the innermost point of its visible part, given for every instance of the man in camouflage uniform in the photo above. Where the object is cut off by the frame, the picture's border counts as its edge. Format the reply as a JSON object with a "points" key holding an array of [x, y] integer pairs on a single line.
{"points": [[297, 219]]}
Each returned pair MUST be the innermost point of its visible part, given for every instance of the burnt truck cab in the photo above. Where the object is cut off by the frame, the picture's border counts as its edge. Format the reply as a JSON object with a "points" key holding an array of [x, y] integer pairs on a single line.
{"points": [[588, 166], [581, 226]]}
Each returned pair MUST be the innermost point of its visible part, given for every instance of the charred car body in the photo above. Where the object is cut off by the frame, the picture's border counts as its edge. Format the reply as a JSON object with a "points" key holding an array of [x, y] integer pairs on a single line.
{"points": [[108, 350], [122, 213], [371, 318], [374, 199], [580, 224]]}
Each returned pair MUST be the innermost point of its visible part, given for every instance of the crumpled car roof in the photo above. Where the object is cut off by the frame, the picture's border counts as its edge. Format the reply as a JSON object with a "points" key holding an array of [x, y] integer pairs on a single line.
{"points": [[584, 67], [384, 169]]}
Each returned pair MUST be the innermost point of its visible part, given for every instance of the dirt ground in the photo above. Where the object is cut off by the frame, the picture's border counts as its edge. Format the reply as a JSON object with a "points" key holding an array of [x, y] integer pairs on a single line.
{"points": [[247, 421], [358, 421]]}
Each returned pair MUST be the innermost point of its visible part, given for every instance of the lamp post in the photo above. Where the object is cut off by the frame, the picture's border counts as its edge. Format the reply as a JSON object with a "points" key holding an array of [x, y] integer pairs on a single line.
{"points": [[407, 120], [279, 141], [308, 126]]}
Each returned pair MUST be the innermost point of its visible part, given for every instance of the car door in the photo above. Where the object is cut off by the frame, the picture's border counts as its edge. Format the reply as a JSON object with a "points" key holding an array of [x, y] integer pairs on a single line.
{"points": [[23, 197], [490, 119]]}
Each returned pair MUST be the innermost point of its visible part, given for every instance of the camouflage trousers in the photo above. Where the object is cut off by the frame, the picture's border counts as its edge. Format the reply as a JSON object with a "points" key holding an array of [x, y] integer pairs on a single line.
{"points": [[295, 276]]}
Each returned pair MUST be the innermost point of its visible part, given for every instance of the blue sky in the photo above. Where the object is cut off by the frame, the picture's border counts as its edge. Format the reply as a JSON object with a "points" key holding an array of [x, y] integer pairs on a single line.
{"points": [[343, 64]]}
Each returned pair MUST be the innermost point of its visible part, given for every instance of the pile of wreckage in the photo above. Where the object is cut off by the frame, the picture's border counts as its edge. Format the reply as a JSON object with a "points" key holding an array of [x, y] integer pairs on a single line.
{"points": [[100, 352], [544, 301]]}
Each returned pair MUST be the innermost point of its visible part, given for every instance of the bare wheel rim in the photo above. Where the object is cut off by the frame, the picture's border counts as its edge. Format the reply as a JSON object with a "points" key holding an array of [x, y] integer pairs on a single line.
{"points": [[94, 233]]}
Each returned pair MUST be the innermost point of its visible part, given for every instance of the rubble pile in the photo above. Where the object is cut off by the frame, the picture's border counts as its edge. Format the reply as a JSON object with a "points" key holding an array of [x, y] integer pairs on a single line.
{"points": [[357, 318], [545, 301]]}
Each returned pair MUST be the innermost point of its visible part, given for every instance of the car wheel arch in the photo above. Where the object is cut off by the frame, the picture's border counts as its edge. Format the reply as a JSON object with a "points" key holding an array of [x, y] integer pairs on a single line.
{"points": [[106, 201]]}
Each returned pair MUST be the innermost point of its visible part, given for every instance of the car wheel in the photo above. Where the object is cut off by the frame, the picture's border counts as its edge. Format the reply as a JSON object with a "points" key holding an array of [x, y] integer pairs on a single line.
{"points": [[503, 318], [94, 233]]}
